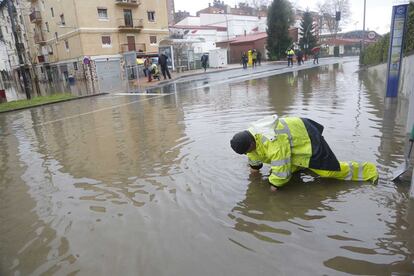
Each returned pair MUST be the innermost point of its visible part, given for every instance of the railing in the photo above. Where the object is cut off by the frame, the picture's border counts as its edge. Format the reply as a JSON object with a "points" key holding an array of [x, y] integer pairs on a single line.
{"points": [[35, 16], [127, 47], [39, 39], [130, 3], [130, 24]]}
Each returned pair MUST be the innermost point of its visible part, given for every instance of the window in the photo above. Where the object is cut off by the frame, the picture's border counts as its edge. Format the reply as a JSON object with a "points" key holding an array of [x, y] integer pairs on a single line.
{"points": [[52, 12], [67, 45], [106, 41], [56, 35], [102, 13], [153, 39], [47, 26], [62, 19], [75, 66], [151, 15]]}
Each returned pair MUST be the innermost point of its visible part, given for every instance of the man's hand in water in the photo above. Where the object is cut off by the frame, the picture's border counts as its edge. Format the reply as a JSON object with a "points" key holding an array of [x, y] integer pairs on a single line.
{"points": [[254, 171], [273, 188]]}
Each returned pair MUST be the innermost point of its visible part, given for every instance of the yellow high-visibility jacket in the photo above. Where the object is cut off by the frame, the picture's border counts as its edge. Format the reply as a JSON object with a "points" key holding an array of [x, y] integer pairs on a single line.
{"points": [[286, 145]]}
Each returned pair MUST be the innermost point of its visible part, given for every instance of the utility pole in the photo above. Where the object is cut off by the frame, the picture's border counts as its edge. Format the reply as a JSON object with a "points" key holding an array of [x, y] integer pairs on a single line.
{"points": [[19, 47], [363, 28]]}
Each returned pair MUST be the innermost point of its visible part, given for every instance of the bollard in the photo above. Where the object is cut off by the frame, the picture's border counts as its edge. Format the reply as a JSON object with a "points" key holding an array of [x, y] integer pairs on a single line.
{"points": [[3, 98], [412, 186]]}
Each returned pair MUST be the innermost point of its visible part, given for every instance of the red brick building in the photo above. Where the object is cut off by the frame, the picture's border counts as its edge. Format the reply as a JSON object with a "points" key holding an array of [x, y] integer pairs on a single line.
{"points": [[240, 44]]}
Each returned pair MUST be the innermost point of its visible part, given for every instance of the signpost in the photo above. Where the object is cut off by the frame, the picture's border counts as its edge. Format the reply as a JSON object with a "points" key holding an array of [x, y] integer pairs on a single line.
{"points": [[398, 26], [131, 67]]}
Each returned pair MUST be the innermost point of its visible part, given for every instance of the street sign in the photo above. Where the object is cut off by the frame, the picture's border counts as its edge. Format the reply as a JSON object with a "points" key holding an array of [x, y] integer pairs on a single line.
{"points": [[398, 26]]}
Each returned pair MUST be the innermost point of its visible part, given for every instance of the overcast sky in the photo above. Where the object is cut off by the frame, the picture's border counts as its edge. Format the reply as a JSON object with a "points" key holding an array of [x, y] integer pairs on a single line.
{"points": [[378, 12]]}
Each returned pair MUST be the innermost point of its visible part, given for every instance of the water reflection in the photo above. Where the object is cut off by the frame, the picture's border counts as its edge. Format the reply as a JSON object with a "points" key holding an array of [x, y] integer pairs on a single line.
{"points": [[120, 185]]}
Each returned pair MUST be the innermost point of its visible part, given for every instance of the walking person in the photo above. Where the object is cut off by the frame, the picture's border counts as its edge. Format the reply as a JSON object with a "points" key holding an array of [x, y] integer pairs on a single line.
{"points": [[290, 53], [204, 61], [147, 63], [289, 144], [316, 57], [162, 61], [259, 57], [299, 57], [254, 58], [244, 60]]}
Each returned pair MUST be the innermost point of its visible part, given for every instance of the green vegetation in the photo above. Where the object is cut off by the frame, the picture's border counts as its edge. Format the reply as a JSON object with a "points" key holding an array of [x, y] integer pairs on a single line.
{"points": [[307, 30], [378, 53], [34, 102], [279, 18]]}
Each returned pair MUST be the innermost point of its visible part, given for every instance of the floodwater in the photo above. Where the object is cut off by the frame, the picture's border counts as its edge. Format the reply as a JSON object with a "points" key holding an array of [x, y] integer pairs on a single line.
{"points": [[148, 184]]}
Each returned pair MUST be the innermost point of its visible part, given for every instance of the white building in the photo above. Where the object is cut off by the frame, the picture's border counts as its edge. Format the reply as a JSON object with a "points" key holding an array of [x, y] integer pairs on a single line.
{"points": [[217, 27]]}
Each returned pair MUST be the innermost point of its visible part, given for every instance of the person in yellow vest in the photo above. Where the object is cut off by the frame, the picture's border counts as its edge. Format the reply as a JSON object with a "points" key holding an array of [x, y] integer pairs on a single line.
{"points": [[249, 57], [290, 53], [289, 144]]}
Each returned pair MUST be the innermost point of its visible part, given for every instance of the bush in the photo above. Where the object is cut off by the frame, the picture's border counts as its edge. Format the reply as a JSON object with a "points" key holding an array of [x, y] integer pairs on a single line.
{"points": [[378, 53]]}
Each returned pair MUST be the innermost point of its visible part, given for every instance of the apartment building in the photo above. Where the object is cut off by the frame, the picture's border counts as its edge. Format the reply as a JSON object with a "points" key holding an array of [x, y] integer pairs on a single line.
{"points": [[69, 34], [14, 54]]}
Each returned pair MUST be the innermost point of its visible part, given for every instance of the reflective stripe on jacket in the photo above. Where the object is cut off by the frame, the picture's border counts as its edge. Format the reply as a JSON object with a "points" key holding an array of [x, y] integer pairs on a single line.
{"points": [[290, 147], [363, 171]]}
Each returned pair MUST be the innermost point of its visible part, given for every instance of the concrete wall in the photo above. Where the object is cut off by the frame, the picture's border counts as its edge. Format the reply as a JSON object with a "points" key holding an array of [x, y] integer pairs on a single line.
{"points": [[406, 86]]}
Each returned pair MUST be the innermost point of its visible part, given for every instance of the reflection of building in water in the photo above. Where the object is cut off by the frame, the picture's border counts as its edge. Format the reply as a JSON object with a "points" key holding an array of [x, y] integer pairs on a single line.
{"points": [[118, 143], [25, 240]]}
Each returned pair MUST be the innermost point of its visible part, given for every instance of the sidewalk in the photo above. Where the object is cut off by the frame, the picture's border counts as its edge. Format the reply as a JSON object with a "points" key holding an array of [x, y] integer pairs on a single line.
{"points": [[175, 76]]}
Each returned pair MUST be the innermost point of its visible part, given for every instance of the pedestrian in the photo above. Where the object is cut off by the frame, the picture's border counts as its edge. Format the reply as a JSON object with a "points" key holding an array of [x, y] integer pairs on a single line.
{"points": [[299, 57], [204, 61], [244, 60], [254, 58], [259, 57], [316, 57], [289, 144], [290, 53], [163, 62], [147, 63]]}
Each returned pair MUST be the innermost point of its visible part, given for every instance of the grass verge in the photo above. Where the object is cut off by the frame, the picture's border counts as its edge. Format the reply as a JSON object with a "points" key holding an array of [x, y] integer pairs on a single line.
{"points": [[36, 101]]}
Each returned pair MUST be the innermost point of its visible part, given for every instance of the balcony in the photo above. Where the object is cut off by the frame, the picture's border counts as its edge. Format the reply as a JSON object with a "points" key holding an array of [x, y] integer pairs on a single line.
{"points": [[130, 25], [127, 47], [35, 17], [39, 39], [128, 3]]}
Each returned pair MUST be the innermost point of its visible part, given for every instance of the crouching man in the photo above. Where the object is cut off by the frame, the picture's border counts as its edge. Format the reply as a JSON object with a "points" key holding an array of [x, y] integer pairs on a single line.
{"points": [[291, 143]]}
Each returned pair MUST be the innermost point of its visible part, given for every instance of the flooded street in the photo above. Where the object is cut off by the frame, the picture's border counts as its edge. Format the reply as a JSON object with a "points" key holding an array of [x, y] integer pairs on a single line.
{"points": [[148, 184]]}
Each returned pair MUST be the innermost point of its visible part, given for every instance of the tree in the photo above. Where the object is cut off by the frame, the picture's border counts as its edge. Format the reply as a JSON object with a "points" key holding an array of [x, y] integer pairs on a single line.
{"points": [[328, 11], [279, 19], [307, 29]]}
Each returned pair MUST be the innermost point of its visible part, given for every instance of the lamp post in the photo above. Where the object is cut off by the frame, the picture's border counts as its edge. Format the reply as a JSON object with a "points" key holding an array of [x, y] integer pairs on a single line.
{"points": [[363, 28]]}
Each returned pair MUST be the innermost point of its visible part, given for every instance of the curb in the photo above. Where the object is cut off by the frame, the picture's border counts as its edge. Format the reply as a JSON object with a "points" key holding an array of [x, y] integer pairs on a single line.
{"points": [[61, 101]]}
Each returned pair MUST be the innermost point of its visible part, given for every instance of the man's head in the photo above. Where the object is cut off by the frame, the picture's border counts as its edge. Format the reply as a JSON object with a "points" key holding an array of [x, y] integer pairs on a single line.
{"points": [[243, 142]]}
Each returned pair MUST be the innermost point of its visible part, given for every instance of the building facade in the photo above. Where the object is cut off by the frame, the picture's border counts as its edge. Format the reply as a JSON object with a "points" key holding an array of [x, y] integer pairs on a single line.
{"points": [[14, 54], [82, 39]]}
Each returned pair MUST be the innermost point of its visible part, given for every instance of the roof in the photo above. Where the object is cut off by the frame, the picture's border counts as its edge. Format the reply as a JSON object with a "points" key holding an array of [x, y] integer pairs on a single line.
{"points": [[246, 38], [196, 27], [339, 41]]}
